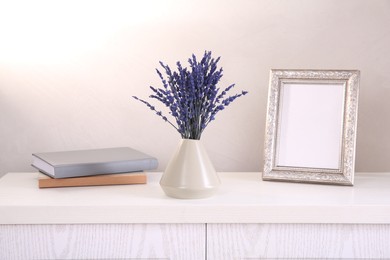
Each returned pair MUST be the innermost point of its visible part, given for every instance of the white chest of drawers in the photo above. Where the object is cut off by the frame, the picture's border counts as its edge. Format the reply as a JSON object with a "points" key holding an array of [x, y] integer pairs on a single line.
{"points": [[247, 219]]}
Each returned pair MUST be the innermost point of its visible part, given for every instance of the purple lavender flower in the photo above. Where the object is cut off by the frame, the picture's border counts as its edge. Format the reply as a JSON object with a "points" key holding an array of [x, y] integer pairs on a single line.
{"points": [[191, 95]]}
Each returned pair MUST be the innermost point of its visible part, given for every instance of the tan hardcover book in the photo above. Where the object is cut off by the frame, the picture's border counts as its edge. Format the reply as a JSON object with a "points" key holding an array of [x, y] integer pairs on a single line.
{"points": [[98, 180]]}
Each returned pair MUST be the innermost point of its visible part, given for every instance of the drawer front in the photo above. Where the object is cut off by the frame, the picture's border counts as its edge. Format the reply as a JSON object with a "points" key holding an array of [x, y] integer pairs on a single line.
{"points": [[297, 241], [103, 241]]}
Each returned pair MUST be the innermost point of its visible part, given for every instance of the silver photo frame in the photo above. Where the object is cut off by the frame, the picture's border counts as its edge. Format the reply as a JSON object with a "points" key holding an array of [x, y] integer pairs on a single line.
{"points": [[310, 133]]}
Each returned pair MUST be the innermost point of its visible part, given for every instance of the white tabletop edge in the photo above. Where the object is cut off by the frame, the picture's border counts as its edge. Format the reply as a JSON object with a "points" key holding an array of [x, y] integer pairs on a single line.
{"points": [[243, 198]]}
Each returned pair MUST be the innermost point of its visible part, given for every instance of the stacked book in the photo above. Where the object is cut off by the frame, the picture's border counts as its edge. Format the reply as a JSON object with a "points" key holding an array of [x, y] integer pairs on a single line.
{"points": [[110, 166]]}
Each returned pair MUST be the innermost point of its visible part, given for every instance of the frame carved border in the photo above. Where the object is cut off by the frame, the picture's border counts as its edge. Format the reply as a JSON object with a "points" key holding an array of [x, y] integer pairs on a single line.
{"points": [[313, 175]]}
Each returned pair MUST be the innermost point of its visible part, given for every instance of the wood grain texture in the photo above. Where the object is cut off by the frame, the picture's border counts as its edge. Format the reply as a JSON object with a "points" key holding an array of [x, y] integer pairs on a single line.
{"points": [[103, 241], [297, 241]]}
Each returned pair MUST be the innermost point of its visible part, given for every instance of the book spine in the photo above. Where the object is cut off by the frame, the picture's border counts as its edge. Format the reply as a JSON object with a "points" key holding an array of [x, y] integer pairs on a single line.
{"points": [[93, 181], [68, 171]]}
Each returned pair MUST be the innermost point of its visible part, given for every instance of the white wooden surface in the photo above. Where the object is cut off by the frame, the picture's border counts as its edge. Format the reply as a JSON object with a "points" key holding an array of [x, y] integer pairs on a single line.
{"points": [[297, 241], [92, 241], [188, 241], [107, 222], [242, 198]]}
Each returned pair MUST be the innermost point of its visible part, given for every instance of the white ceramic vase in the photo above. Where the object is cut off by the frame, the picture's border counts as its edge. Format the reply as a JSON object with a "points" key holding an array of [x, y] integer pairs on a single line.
{"points": [[190, 173]]}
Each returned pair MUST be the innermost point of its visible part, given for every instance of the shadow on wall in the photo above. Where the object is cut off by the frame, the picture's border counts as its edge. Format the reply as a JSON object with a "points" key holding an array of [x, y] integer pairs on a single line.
{"points": [[373, 138]]}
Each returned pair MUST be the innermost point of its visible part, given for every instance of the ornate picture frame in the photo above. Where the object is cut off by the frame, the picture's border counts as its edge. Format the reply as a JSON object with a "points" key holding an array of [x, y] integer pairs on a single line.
{"points": [[310, 133]]}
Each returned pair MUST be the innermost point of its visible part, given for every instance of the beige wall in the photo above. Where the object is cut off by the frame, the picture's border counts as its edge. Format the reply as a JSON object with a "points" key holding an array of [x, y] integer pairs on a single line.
{"points": [[68, 71]]}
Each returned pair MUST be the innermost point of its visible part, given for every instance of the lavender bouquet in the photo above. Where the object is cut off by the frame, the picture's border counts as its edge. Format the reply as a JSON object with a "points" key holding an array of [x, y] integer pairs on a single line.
{"points": [[191, 95]]}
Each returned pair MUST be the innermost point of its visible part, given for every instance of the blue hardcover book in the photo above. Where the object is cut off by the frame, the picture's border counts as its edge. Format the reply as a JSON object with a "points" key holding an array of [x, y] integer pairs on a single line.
{"points": [[68, 164]]}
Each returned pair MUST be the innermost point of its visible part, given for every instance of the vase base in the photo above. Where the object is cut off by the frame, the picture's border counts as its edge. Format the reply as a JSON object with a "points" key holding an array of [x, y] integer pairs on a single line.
{"points": [[186, 193]]}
